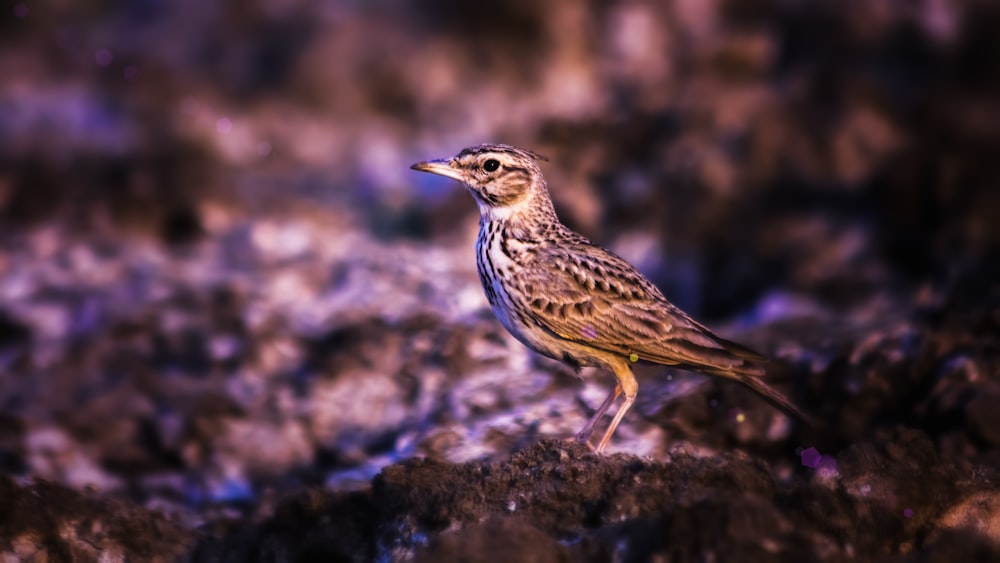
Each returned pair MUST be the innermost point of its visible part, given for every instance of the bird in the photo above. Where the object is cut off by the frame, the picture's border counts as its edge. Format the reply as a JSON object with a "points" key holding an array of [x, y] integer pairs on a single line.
{"points": [[569, 299]]}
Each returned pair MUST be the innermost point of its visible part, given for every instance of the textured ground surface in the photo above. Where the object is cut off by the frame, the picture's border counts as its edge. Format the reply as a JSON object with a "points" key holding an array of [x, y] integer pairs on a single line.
{"points": [[235, 326]]}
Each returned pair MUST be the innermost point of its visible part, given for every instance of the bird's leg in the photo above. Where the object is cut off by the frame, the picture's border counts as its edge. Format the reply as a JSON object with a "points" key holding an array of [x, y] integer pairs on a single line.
{"points": [[628, 385], [583, 436]]}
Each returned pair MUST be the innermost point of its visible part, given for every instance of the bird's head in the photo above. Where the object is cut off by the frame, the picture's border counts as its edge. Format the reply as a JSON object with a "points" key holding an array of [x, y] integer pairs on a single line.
{"points": [[502, 178]]}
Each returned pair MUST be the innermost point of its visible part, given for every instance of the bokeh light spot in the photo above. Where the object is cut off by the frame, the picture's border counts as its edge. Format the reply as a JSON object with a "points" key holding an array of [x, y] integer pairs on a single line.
{"points": [[811, 457], [20, 10], [103, 57], [223, 125]]}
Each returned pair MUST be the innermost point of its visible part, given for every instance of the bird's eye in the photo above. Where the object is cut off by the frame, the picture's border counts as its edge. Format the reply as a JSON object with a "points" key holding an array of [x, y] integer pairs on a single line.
{"points": [[491, 165]]}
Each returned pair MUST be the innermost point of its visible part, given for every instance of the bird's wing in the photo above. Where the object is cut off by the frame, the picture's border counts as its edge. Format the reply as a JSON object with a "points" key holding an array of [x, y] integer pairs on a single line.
{"points": [[591, 296]]}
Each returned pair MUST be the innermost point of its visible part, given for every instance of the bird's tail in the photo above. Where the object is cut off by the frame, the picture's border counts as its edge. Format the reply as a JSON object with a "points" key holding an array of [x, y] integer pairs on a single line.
{"points": [[755, 383], [751, 372]]}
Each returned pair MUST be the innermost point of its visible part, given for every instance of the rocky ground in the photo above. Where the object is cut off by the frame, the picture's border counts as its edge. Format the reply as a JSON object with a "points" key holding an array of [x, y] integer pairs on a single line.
{"points": [[235, 326]]}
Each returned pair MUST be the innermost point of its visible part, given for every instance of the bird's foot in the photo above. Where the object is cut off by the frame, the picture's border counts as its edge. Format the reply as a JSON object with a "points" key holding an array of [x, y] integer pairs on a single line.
{"points": [[581, 438]]}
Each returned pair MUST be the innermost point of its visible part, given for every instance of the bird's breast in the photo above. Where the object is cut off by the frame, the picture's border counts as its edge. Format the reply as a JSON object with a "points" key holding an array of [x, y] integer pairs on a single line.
{"points": [[504, 261], [500, 258]]}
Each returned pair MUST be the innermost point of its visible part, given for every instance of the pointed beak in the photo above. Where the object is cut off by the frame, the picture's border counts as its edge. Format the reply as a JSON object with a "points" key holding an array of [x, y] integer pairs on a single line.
{"points": [[442, 167]]}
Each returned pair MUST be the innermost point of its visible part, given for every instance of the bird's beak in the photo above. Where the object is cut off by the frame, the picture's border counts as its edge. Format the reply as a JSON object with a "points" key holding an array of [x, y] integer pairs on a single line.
{"points": [[442, 167]]}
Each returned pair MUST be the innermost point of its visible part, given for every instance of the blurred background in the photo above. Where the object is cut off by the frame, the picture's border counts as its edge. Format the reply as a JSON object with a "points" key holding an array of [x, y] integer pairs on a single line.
{"points": [[220, 280]]}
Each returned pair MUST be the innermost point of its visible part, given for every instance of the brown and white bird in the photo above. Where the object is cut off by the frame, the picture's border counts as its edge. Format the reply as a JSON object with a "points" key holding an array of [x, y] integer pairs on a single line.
{"points": [[569, 299]]}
